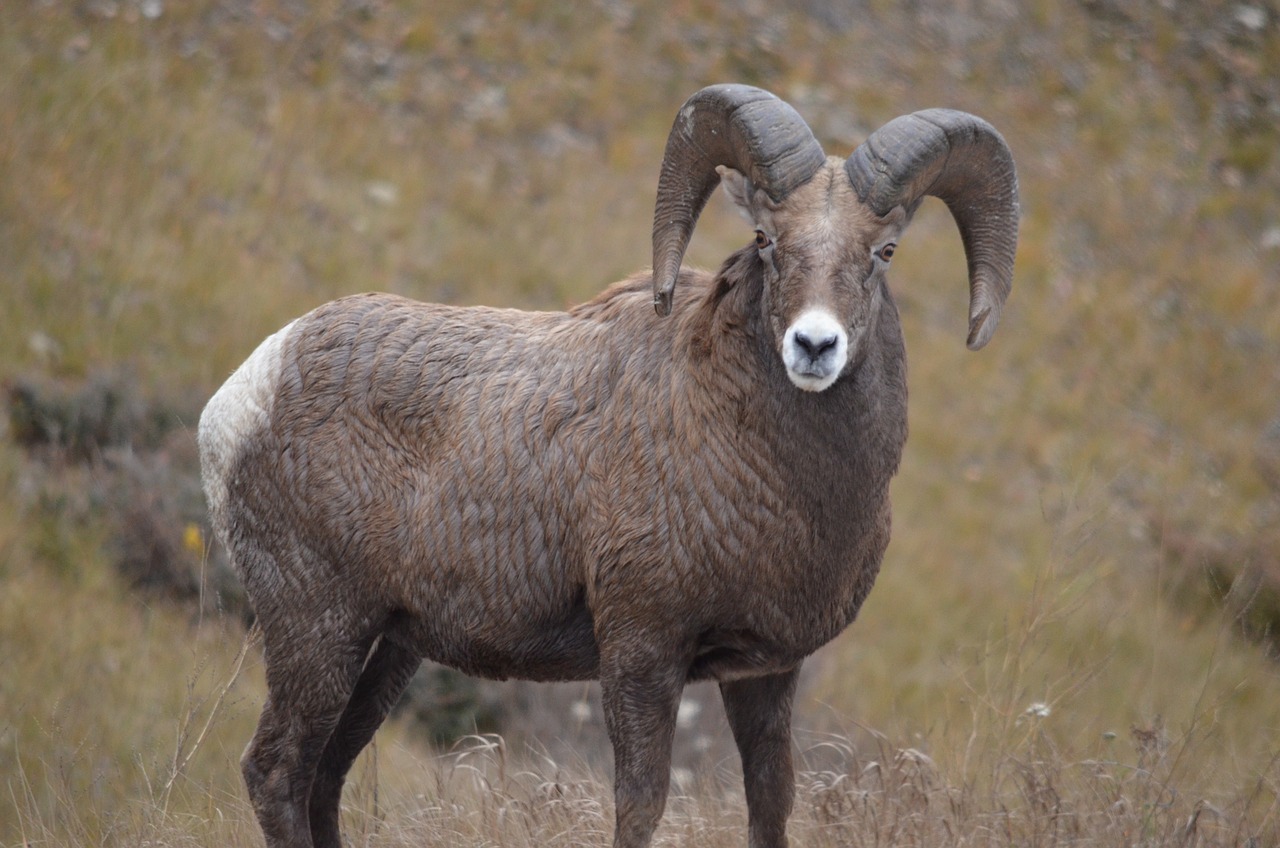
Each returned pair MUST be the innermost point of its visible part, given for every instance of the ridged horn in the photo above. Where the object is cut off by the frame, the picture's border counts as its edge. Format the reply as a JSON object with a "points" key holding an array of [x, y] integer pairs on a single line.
{"points": [[745, 128], [962, 160]]}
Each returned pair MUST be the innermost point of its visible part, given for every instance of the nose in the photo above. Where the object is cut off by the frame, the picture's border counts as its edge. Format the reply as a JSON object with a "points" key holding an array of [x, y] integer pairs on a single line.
{"points": [[815, 347]]}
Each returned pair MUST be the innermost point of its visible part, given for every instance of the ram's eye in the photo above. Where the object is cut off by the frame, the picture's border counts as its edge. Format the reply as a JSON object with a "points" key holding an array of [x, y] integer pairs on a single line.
{"points": [[762, 240], [885, 253]]}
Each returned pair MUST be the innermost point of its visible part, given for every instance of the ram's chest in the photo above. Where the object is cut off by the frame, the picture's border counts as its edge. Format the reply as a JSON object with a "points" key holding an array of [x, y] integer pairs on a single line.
{"points": [[778, 593], [801, 579], [759, 559]]}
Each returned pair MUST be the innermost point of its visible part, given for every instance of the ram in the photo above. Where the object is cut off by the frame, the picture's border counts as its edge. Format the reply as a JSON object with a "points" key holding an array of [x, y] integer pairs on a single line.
{"points": [[605, 493]]}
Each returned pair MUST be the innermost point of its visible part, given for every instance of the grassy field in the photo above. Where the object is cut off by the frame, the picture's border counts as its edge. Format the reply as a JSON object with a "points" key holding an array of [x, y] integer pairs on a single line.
{"points": [[1073, 637]]}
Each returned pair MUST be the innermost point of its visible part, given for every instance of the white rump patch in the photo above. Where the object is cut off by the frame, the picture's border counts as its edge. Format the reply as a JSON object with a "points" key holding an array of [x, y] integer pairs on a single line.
{"points": [[815, 349], [235, 413]]}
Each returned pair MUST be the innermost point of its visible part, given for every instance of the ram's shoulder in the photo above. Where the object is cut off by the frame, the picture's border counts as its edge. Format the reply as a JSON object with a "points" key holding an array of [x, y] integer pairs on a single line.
{"points": [[634, 296]]}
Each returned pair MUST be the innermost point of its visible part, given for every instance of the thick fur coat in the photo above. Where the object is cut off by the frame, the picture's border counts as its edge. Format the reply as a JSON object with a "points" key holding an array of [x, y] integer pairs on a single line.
{"points": [[501, 490]]}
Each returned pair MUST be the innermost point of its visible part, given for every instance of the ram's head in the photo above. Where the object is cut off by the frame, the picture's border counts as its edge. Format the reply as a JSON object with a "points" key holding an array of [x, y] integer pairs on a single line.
{"points": [[826, 228]]}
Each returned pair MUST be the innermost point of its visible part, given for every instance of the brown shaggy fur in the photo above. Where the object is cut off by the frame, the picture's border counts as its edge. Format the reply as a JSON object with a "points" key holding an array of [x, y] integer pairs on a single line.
{"points": [[593, 494], [601, 493]]}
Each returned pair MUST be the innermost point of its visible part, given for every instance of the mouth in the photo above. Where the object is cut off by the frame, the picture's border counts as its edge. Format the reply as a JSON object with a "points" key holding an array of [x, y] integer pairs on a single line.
{"points": [[812, 379]]}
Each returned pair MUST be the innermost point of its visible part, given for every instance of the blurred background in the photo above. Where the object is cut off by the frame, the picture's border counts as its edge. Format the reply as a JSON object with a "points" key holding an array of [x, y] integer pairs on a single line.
{"points": [[1085, 570]]}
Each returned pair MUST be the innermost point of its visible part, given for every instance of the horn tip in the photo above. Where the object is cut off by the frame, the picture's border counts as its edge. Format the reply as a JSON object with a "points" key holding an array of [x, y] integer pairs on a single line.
{"points": [[662, 302], [981, 328]]}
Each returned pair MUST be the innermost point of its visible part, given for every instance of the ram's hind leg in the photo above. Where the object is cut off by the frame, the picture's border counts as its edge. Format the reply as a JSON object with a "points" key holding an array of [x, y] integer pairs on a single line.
{"points": [[311, 673], [381, 683]]}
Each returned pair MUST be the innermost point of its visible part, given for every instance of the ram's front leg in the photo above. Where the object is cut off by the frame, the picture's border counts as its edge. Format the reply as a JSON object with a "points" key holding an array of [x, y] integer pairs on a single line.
{"points": [[640, 688], [759, 711]]}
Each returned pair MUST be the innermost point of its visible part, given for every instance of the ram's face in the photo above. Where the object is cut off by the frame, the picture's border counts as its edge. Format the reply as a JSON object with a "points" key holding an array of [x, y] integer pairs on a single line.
{"points": [[824, 256]]}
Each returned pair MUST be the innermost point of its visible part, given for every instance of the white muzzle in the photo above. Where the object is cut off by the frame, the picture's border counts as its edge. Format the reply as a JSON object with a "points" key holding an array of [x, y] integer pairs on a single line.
{"points": [[815, 349]]}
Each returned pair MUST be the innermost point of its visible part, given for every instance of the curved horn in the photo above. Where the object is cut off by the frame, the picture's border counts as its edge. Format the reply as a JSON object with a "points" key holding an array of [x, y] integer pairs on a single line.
{"points": [[961, 159], [744, 128]]}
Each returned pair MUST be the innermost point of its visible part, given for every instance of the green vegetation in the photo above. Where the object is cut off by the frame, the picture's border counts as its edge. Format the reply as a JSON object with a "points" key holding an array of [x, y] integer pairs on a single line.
{"points": [[1073, 639]]}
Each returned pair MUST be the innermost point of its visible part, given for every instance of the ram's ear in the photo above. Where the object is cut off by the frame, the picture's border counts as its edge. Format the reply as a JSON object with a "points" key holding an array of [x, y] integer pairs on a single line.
{"points": [[892, 225], [739, 189]]}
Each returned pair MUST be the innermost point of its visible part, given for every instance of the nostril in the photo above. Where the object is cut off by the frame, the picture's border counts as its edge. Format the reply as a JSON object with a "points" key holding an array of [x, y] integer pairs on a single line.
{"points": [[815, 348]]}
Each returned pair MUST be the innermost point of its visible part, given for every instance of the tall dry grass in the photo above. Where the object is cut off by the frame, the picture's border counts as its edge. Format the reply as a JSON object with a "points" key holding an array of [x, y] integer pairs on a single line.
{"points": [[856, 788]]}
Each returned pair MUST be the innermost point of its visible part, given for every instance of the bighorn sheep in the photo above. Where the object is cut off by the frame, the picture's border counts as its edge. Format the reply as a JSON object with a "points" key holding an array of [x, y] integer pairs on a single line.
{"points": [[604, 493]]}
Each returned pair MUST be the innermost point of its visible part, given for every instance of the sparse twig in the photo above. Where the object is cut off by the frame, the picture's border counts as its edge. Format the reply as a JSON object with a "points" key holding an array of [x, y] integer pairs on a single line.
{"points": [[181, 759]]}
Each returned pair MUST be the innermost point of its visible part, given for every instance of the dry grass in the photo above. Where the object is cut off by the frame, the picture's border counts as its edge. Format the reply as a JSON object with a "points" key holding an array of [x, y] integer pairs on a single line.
{"points": [[176, 187], [854, 790]]}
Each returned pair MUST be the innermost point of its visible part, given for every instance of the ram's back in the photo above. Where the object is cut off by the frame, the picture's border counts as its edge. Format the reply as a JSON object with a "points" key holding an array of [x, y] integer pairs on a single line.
{"points": [[431, 460]]}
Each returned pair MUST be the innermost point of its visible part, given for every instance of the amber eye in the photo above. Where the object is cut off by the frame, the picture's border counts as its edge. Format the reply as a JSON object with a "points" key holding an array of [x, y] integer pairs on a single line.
{"points": [[886, 253], [762, 240]]}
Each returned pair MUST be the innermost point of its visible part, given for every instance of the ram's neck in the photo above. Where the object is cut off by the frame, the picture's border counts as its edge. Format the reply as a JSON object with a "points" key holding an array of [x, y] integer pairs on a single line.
{"points": [[848, 438]]}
